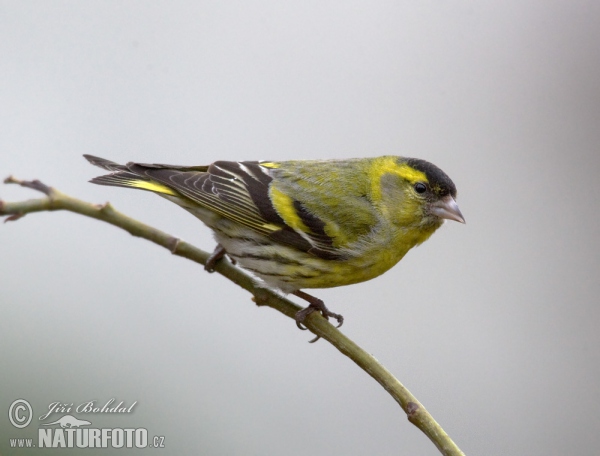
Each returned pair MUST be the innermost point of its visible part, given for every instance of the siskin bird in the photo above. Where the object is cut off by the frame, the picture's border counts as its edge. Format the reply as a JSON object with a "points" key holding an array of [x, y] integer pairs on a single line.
{"points": [[305, 223]]}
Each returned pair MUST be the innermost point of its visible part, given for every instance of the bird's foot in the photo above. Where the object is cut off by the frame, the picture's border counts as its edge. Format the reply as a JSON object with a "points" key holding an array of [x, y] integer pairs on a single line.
{"points": [[314, 305]]}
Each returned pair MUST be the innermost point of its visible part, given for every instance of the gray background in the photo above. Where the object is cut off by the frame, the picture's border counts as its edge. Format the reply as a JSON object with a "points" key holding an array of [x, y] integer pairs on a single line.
{"points": [[493, 325]]}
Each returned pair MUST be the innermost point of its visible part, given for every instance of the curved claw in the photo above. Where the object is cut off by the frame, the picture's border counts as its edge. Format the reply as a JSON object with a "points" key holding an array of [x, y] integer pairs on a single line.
{"points": [[301, 315], [339, 318], [312, 341], [299, 325]]}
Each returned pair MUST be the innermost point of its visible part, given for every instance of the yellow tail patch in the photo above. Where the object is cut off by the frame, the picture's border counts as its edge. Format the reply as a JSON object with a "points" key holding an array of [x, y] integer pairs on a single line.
{"points": [[151, 186]]}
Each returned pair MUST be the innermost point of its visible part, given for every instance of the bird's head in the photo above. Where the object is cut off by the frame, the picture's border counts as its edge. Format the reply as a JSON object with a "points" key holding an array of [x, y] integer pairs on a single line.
{"points": [[436, 192], [417, 194]]}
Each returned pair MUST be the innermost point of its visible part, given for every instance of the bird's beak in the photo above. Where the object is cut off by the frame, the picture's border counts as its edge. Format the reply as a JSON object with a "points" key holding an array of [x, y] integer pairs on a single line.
{"points": [[448, 209]]}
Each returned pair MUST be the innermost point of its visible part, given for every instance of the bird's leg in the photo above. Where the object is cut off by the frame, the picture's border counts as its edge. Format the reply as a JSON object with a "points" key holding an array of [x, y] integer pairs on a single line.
{"points": [[217, 254], [314, 304]]}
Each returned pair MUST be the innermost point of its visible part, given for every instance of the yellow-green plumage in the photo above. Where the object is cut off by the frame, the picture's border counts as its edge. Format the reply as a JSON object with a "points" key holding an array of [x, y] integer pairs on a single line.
{"points": [[306, 223], [372, 226]]}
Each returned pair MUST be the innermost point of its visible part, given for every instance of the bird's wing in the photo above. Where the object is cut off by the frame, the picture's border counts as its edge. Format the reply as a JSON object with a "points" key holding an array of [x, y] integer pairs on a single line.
{"points": [[240, 191]]}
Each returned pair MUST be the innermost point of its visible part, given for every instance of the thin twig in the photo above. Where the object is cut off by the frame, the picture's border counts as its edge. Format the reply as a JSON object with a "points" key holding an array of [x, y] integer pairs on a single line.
{"points": [[55, 200]]}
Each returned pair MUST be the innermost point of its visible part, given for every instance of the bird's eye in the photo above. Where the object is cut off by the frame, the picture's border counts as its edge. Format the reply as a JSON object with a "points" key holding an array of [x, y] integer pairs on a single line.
{"points": [[420, 187]]}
